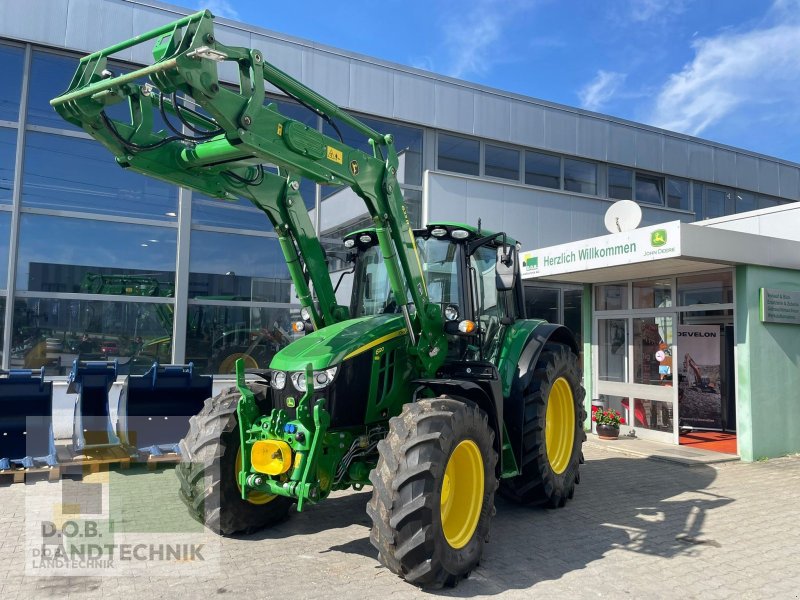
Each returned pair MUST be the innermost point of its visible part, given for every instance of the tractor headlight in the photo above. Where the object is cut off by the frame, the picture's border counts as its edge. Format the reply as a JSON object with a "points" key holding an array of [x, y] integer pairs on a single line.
{"points": [[321, 379], [305, 313], [278, 380], [451, 312]]}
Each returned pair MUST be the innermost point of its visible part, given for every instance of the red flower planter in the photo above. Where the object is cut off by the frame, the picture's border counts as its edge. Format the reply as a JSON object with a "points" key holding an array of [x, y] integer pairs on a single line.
{"points": [[607, 432]]}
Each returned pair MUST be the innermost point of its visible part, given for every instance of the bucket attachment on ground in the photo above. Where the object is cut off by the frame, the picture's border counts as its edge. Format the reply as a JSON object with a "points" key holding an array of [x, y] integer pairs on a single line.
{"points": [[154, 408], [92, 380], [26, 419]]}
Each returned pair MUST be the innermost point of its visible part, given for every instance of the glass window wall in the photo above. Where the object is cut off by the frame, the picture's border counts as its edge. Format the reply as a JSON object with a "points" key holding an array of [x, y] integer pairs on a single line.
{"points": [[5, 231], [620, 183], [225, 266], [542, 303], [11, 59], [50, 76], [217, 335], [56, 254], [580, 176], [51, 333], [8, 146], [68, 173], [543, 170], [678, 193], [613, 296], [711, 288], [457, 154], [652, 339], [652, 294], [612, 342], [649, 189], [501, 162]]}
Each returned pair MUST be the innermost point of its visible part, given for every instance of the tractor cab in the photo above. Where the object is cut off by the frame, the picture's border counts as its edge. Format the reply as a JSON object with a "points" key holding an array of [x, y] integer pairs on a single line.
{"points": [[473, 276]]}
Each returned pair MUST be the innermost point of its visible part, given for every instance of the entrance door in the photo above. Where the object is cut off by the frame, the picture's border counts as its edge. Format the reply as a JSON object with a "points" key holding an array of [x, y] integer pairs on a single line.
{"points": [[636, 373]]}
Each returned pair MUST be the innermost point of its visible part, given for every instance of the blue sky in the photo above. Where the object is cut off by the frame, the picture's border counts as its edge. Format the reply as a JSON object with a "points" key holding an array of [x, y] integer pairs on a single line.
{"points": [[724, 70]]}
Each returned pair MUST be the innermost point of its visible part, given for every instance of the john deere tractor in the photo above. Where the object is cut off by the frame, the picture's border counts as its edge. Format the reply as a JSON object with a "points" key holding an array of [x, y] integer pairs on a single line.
{"points": [[432, 386]]}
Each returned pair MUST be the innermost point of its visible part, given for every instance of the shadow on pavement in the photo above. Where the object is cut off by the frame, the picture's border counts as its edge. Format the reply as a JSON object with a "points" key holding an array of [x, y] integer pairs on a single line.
{"points": [[642, 506]]}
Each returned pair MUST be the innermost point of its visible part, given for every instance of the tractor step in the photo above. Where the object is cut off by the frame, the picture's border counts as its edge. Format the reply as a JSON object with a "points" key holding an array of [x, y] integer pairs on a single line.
{"points": [[21, 475]]}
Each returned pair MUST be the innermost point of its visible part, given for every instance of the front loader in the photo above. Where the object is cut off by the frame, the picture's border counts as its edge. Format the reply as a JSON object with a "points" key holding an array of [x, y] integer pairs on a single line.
{"points": [[432, 386]]}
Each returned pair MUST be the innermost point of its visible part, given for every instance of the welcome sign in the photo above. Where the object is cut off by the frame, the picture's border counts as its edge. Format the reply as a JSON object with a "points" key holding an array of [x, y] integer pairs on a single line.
{"points": [[648, 243]]}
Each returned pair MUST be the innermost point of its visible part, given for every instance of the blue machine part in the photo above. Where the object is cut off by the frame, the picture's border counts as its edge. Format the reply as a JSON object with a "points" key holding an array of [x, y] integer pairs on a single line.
{"points": [[91, 427], [154, 408], [26, 419]]}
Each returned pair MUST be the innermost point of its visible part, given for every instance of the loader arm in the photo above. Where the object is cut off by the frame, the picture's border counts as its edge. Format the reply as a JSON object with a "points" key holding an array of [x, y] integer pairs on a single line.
{"points": [[231, 141]]}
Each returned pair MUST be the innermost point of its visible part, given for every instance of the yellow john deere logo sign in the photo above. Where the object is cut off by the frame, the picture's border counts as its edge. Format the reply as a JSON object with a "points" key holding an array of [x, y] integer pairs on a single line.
{"points": [[658, 238]]}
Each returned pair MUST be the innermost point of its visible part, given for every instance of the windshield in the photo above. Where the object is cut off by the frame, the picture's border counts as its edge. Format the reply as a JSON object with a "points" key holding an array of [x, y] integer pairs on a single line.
{"points": [[372, 293]]}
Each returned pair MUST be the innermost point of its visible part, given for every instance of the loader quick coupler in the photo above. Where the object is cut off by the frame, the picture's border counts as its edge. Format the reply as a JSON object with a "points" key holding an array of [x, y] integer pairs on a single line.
{"points": [[279, 456]]}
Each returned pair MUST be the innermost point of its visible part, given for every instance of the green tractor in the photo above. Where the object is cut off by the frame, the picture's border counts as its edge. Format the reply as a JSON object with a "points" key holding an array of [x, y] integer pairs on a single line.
{"points": [[432, 386]]}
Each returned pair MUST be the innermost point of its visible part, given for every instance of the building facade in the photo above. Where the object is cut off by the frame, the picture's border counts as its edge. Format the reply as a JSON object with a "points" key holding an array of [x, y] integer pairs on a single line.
{"points": [[99, 262]]}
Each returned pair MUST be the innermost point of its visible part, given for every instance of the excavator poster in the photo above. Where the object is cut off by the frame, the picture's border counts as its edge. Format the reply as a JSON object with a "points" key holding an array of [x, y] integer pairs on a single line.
{"points": [[699, 397]]}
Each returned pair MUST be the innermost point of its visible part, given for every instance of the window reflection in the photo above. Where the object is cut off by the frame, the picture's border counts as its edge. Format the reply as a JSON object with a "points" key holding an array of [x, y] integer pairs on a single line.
{"points": [[678, 193], [612, 345], [613, 296], [217, 335], [652, 294], [649, 189], [8, 145], [240, 213], [457, 154], [56, 253], [5, 228], [11, 59], [51, 333], [620, 183], [501, 162], [2, 324], [714, 288], [541, 303], [80, 175], [543, 170], [652, 351], [237, 267], [580, 176], [50, 76]]}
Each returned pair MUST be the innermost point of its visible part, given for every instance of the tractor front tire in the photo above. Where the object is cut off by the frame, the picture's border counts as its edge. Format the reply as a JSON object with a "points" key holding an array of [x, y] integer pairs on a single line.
{"points": [[553, 432], [209, 468], [433, 494]]}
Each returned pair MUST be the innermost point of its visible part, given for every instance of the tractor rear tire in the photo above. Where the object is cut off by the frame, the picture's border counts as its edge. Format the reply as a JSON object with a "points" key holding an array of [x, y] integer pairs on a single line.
{"points": [[433, 494], [208, 470], [549, 475]]}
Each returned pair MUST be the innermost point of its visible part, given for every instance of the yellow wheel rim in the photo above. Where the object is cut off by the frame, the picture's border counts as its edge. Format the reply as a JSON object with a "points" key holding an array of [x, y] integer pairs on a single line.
{"points": [[253, 497], [559, 428], [462, 494], [228, 365]]}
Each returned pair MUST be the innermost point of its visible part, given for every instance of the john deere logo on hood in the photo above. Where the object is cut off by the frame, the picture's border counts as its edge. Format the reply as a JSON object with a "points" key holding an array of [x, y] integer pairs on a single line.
{"points": [[658, 238]]}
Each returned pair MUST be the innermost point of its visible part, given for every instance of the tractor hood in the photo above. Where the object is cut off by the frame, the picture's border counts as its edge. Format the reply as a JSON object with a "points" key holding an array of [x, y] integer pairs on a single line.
{"points": [[334, 344]]}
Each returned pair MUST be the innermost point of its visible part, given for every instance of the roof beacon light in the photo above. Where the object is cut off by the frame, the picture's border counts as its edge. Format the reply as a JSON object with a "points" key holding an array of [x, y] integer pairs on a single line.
{"points": [[460, 234], [439, 232]]}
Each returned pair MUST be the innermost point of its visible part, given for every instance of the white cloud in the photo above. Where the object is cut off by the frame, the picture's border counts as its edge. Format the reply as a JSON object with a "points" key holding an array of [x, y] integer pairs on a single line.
{"points": [[471, 36], [645, 10], [219, 8], [751, 71], [600, 90]]}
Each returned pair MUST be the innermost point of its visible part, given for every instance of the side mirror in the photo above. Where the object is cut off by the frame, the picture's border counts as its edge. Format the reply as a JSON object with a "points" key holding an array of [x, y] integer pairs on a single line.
{"points": [[506, 268]]}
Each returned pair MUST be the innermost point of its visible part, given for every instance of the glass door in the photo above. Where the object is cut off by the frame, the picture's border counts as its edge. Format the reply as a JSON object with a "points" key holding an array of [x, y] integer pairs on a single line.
{"points": [[636, 374]]}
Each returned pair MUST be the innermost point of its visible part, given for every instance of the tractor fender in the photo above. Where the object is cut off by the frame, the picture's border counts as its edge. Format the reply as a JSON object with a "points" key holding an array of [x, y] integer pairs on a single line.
{"points": [[526, 364], [486, 393]]}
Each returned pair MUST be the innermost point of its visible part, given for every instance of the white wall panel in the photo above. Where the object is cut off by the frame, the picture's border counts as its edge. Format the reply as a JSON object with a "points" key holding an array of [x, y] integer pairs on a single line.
{"points": [[649, 150], [768, 177], [701, 161], [111, 23], [492, 117], [43, 21], [592, 138], [561, 131], [789, 181], [327, 74], [621, 144], [371, 88], [746, 172], [724, 167], [676, 156], [527, 125], [455, 107], [414, 98]]}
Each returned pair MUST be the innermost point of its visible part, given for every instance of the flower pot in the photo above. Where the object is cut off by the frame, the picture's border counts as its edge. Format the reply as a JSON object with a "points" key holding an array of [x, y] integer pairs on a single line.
{"points": [[607, 432]]}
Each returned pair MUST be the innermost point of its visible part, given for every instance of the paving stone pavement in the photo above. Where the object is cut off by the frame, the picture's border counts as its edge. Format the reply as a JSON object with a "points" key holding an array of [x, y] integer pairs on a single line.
{"points": [[637, 528]]}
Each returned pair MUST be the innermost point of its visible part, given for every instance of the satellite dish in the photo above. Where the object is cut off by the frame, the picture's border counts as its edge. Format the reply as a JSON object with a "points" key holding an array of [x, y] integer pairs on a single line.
{"points": [[623, 215]]}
